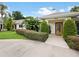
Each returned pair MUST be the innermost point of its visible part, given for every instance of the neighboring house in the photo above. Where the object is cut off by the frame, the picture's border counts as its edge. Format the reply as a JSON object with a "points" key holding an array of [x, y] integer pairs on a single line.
{"points": [[18, 24], [56, 21]]}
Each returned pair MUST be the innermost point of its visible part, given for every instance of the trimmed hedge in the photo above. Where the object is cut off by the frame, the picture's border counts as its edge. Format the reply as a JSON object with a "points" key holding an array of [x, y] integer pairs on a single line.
{"points": [[69, 28], [44, 27], [73, 42], [30, 34]]}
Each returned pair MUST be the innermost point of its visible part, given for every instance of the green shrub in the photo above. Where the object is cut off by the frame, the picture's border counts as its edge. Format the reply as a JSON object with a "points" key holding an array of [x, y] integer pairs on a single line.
{"points": [[8, 24], [44, 27], [69, 28], [73, 42], [40, 36], [49, 29], [32, 23]]}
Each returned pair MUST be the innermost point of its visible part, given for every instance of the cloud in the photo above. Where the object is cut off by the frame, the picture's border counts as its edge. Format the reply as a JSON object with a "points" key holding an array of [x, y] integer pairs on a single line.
{"points": [[61, 10], [46, 11], [70, 7], [50, 8]]}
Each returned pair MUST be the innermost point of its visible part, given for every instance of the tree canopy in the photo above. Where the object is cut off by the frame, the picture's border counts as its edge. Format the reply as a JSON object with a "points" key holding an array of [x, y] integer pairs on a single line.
{"points": [[75, 9], [2, 9], [17, 15], [31, 23]]}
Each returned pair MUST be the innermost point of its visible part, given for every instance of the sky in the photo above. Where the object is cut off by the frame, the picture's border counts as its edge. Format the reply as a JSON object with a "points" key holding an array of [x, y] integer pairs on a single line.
{"points": [[39, 8]]}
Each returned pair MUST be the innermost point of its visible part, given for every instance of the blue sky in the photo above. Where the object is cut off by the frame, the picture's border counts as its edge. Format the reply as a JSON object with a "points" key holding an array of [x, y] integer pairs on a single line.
{"points": [[40, 8]]}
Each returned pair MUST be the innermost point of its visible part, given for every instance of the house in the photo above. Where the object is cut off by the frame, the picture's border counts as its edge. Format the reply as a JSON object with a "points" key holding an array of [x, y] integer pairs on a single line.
{"points": [[56, 21], [17, 24]]}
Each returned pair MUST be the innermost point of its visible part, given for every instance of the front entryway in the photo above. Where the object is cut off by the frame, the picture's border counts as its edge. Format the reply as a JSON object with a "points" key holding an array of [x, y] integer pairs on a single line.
{"points": [[58, 28]]}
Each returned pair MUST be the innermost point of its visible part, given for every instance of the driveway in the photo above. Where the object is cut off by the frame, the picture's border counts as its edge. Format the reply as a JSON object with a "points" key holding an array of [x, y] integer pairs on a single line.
{"points": [[57, 41], [29, 48]]}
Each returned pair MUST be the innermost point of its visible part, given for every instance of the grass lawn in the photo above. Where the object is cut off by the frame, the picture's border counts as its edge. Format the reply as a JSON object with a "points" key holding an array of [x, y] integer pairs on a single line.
{"points": [[10, 35]]}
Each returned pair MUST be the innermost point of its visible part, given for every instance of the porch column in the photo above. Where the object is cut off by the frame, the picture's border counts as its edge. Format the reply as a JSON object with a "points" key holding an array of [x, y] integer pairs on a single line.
{"points": [[52, 28]]}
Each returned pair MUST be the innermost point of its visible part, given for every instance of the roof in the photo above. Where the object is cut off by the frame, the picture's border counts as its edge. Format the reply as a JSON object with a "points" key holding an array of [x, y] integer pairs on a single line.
{"points": [[60, 15], [18, 21], [14, 21]]}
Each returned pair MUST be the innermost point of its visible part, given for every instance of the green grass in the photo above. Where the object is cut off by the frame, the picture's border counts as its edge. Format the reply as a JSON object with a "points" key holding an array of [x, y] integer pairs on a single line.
{"points": [[10, 35]]}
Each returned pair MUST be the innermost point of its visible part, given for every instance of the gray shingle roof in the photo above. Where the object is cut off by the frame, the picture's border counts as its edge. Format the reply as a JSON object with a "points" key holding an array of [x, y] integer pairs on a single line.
{"points": [[60, 15], [18, 21]]}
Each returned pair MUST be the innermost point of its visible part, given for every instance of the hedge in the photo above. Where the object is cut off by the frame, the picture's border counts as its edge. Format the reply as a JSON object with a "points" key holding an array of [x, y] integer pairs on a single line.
{"points": [[73, 42], [44, 27], [30, 34], [69, 28]]}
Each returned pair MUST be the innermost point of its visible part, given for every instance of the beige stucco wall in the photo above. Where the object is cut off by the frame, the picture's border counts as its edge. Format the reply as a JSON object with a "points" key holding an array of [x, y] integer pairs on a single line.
{"points": [[17, 27], [52, 25]]}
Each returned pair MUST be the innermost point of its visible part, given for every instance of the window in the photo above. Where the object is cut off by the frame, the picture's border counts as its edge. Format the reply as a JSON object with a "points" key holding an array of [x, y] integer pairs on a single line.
{"points": [[20, 25], [0, 26]]}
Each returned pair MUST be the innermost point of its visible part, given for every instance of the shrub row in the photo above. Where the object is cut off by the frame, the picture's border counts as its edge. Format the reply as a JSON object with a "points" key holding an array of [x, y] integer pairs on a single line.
{"points": [[40, 36], [69, 28], [70, 32], [73, 42], [44, 27]]}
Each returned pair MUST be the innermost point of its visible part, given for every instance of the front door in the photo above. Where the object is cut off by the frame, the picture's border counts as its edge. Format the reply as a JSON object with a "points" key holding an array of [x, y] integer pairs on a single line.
{"points": [[58, 28]]}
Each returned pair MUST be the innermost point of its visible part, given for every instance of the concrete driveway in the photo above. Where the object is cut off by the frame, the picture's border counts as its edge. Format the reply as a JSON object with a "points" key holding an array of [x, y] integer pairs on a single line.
{"points": [[57, 41], [29, 48]]}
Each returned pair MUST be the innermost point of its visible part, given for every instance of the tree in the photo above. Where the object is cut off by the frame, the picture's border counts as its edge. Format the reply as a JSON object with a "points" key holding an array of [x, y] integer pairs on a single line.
{"points": [[8, 24], [17, 15], [2, 9], [44, 27], [69, 28], [75, 9], [31, 23]]}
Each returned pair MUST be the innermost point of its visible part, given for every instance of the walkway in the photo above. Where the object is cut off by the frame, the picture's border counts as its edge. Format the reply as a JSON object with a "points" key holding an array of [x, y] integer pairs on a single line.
{"points": [[29, 48], [57, 41]]}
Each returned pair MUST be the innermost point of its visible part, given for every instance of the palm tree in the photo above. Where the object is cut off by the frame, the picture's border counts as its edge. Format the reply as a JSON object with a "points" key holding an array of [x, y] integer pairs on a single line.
{"points": [[2, 10]]}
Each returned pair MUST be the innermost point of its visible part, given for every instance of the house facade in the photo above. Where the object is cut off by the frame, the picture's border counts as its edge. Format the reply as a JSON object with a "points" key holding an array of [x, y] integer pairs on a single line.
{"points": [[17, 24], [56, 21]]}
